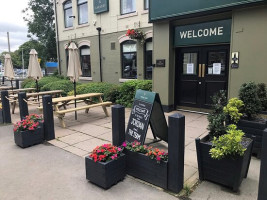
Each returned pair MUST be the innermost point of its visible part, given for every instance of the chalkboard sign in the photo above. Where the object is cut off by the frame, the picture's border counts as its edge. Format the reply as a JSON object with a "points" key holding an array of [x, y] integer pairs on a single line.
{"points": [[146, 110]]}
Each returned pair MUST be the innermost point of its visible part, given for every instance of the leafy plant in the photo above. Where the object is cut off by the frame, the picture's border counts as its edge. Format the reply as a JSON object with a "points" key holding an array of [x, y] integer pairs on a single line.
{"points": [[262, 94], [232, 109], [228, 144], [64, 85], [31, 123], [136, 34], [248, 94], [105, 153], [28, 83], [217, 117]]}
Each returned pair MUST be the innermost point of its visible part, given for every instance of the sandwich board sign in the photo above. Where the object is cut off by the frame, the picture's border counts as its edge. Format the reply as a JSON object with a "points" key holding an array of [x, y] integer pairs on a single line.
{"points": [[146, 110]]}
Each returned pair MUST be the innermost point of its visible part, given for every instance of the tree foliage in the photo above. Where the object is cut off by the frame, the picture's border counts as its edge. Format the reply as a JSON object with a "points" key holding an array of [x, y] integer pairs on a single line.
{"points": [[39, 16]]}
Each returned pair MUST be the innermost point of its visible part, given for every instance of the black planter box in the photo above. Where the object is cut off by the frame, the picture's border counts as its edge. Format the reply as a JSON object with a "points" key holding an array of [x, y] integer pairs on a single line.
{"points": [[105, 174], [227, 171], [28, 138], [1, 117], [253, 128], [144, 168]]}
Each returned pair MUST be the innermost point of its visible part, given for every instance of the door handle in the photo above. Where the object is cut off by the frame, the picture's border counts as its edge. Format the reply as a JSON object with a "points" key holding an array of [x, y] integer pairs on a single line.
{"points": [[203, 70], [199, 70]]}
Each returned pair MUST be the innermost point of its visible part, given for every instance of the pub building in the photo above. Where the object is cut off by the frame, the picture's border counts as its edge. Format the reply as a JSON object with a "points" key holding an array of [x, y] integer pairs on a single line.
{"points": [[201, 47]]}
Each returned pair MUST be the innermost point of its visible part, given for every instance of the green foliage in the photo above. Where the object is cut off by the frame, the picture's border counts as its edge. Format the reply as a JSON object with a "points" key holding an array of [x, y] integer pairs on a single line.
{"points": [[232, 109], [228, 144], [127, 91], [105, 88], [248, 94], [39, 16], [64, 85], [262, 94], [27, 83], [217, 117], [15, 58], [47, 79]]}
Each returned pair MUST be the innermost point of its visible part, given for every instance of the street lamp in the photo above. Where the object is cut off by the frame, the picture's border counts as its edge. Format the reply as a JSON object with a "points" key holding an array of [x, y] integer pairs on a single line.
{"points": [[22, 64]]}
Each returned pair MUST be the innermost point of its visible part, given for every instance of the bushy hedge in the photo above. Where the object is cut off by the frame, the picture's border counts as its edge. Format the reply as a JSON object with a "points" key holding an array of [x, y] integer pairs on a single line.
{"points": [[30, 83], [27, 83], [127, 91], [65, 85]]}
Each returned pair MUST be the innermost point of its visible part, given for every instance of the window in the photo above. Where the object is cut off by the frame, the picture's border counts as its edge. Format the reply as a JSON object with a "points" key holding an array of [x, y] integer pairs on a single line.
{"points": [[129, 69], [146, 4], [128, 6], [85, 61], [148, 58], [83, 11], [67, 14]]}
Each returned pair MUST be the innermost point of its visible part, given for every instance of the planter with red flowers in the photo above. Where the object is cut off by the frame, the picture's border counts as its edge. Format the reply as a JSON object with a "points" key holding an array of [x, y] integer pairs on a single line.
{"points": [[146, 163], [29, 131], [105, 166], [136, 34]]}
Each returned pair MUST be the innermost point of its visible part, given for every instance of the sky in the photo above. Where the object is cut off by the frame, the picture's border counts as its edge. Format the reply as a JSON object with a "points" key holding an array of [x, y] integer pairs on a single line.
{"points": [[11, 20]]}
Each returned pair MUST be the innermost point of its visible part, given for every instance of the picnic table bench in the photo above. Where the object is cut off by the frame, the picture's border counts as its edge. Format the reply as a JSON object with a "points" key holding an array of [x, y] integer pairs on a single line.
{"points": [[16, 91], [86, 98], [32, 98]]}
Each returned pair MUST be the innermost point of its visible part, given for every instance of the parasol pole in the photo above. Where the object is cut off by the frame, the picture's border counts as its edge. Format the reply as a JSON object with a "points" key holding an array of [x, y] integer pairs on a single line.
{"points": [[37, 89], [75, 99]]}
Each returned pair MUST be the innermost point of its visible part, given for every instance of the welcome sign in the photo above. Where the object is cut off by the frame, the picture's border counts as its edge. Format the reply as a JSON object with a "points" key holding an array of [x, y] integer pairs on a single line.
{"points": [[101, 6], [204, 33]]}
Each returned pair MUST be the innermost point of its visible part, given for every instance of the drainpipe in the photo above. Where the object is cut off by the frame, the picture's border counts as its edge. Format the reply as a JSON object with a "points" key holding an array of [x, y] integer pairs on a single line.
{"points": [[58, 52], [99, 43]]}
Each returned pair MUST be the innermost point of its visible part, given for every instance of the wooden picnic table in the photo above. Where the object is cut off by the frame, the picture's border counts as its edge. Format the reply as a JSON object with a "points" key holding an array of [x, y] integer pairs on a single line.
{"points": [[86, 98], [5, 88], [16, 91], [32, 98]]}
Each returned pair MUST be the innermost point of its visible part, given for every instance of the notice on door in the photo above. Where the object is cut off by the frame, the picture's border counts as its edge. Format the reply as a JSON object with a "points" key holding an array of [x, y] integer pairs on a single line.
{"points": [[217, 68], [190, 68]]}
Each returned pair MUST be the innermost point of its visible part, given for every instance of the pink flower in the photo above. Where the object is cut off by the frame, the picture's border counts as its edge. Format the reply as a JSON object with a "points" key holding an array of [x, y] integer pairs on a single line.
{"points": [[158, 158], [112, 157], [124, 144], [119, 149]]}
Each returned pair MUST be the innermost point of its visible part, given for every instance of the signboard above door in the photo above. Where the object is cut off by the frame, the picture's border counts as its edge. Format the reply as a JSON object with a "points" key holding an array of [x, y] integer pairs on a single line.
{"points": [[101, 6], [203, 33]]}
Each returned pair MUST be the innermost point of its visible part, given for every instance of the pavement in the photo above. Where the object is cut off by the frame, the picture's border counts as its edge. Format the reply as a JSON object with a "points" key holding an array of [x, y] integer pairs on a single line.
{"points": [[81, 136]]}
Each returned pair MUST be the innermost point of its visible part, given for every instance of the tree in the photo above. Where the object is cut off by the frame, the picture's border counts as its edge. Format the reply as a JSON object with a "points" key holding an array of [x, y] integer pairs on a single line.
{"points": [[39, 16], [14, 57]]}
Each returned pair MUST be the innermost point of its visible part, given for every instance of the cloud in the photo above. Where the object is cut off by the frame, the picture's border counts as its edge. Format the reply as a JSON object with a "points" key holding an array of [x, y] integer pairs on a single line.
{"points": [[17, 35]]}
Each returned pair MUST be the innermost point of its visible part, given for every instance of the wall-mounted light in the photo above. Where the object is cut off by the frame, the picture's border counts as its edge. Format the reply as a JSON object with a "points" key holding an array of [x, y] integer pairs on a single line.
{"points": [[72, 16]]}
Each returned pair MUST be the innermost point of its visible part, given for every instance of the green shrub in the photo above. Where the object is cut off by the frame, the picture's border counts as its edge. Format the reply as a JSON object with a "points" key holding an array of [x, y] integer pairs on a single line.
{"points": [[262, 94], [228, 144], [47, 79], [127, 91], [217, 117], [248, 94], [28, 83], [64, 85], [232, 109], [106, 88]]}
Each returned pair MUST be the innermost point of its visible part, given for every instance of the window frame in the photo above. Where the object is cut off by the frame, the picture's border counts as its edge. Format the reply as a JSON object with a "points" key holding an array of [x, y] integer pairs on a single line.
{"points": [[122, 53], [127, 12], [145, 58], [90, 66], [64, 11], [78, 5], [146, 1]]}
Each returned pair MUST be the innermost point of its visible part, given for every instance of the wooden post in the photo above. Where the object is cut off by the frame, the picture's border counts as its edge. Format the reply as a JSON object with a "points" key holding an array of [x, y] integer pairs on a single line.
{"points": [[49, 129], [118, 125], [5, 107], [176, 140], [263, 172], [23, 106], [17, 84]]}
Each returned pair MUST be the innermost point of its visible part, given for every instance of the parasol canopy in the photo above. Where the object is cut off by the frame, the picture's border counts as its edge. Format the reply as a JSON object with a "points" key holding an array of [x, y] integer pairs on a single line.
{"points": [[74, 65], [8, 67], [34, 69]]}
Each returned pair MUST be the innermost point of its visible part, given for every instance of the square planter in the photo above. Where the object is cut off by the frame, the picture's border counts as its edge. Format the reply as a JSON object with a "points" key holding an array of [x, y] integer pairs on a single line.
{"points": [[1, 117], [253, 128], [227, 171], [144, 168], [28, 138], [105, 174]]}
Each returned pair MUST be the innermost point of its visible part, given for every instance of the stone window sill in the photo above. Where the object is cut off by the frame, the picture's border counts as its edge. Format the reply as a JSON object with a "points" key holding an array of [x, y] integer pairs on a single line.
{"points": [[86, 78], [122, 80], [144, 12], [128, 15], [68, 29], [83, 25]]}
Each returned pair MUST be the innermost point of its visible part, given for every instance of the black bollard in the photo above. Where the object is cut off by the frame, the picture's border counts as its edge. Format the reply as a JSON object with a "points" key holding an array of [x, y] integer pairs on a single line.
{"points": [[5, 107], [262, 195], [17, 84], [49, 129], [23, 106], [3, 80], [176, 140], [118, 125]]}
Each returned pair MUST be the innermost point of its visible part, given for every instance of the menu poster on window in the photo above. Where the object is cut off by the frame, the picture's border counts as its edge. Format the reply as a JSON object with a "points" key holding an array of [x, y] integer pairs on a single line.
{"points": [[217, 68], [190, 68]]}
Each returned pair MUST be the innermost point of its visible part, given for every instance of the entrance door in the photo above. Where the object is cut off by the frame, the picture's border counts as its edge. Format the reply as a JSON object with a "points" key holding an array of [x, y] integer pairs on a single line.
{"points": [[202, 71]]}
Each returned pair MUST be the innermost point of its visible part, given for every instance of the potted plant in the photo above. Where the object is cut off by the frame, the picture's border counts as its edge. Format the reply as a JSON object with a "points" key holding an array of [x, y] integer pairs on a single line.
{"points": [[250, 123], [262, 94], [146, 163], [105, 166], [1, 115], [136, 34], [29, 131], [223, 155]]}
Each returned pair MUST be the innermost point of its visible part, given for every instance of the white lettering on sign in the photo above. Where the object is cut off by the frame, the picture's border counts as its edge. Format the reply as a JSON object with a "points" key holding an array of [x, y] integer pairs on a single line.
{"points": [[137, 124], [134, 134], [201, 32]]}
